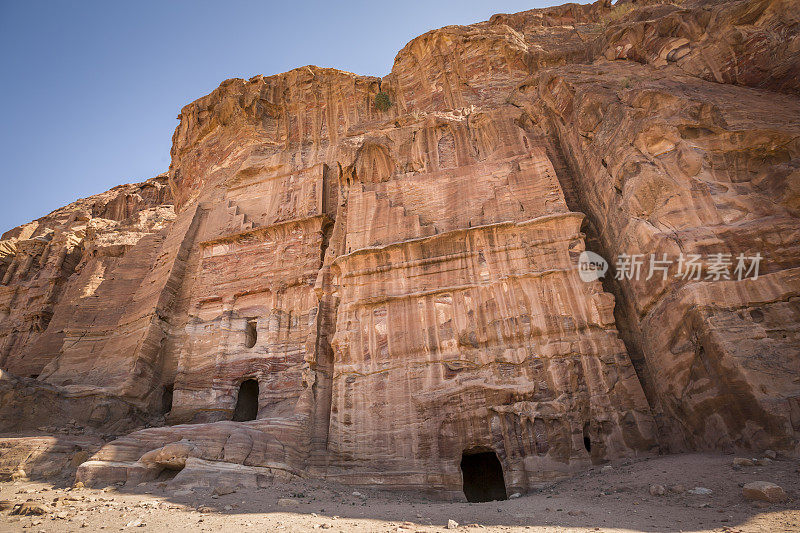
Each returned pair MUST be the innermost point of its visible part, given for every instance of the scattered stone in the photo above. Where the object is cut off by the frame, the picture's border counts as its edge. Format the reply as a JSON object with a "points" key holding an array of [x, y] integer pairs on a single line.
{"points": [[6, 505], [606, 469], [770, 454], [764, 461], [657, 490], [19, 475], [452, 524], [677, 489], [700, 491], [742, 461], [763, 491], [514, 496], [287, 502], [223, 490], [577, 513], [359, 495], [29, 508], [135, 523]]}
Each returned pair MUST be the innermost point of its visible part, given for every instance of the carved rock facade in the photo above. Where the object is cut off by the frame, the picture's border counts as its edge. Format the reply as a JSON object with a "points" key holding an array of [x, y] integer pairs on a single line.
{"points": [[335, 290]]}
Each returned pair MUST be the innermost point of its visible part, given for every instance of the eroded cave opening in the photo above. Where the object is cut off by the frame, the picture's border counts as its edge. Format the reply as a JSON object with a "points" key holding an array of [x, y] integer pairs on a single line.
{"points": [[246, 402], [483, 477], [167, 474]]}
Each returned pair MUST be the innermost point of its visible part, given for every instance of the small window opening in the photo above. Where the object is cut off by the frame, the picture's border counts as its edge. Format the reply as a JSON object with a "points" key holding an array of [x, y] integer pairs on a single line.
{"points": [[483, 477], [247, 401], [587, 441], [166, 398], [251, 334]]}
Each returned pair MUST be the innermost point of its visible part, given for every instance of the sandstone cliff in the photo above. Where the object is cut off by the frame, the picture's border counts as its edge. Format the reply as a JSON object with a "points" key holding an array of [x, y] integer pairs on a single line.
{"points": [[367, 279]]}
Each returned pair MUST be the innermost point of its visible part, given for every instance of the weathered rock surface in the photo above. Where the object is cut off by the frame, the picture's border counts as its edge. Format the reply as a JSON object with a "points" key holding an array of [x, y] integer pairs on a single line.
{"points": [[31, 405], [46, 457], [368, 294], [666, 164], [763, 491], [74, 295]]}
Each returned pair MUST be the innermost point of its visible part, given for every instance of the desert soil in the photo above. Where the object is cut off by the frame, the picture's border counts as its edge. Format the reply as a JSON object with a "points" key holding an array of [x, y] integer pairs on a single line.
{"points": [[599, 500]]}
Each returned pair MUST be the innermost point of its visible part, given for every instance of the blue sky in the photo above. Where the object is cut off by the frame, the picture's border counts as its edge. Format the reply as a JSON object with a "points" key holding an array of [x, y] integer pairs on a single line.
{"points": [[91, 89]]}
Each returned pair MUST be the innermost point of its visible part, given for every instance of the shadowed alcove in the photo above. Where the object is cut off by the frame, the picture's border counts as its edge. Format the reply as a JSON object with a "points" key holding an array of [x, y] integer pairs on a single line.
{"points": [[483, 477], [166, 398], [251, 333], [587, 439], [246, 401]]}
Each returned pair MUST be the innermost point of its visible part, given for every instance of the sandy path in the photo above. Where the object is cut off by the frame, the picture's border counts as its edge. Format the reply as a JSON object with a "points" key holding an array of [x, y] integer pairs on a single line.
{"points": [[596, 501]]}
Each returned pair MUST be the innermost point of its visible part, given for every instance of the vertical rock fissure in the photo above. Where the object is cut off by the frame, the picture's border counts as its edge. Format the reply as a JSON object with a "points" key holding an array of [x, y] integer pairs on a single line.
{"points": [[622, 315], [326, 314]]}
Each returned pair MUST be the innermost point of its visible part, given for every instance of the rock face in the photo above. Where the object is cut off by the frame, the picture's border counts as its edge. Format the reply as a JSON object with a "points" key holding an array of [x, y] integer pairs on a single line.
{"points": [[376, 295]]}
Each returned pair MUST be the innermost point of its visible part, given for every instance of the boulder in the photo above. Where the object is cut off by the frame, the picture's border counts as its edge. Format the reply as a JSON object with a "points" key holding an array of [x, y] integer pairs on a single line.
{"points": [[763, 491], [30, 508]]}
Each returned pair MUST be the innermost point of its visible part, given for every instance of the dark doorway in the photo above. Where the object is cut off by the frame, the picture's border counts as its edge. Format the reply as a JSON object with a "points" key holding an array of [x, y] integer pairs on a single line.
{"points": [[587, 441], [483, 477], [166, 398], [247, 401]]}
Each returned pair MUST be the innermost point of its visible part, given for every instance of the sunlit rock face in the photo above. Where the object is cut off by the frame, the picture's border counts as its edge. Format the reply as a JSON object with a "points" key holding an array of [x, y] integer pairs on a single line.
{"points": [[79, 289], [366, 294]]}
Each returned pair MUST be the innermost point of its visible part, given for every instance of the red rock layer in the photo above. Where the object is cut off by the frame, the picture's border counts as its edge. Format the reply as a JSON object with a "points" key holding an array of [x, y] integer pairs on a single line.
{"points": [[402, 283]]}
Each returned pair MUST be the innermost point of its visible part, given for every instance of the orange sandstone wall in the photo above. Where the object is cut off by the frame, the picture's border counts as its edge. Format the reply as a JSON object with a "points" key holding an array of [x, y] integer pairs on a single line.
{"points": [[403, 283]]}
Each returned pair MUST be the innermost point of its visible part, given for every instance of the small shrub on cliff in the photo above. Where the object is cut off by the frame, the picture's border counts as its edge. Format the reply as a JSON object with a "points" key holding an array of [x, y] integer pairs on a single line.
{"points": [[382, 101], [616, 13]]}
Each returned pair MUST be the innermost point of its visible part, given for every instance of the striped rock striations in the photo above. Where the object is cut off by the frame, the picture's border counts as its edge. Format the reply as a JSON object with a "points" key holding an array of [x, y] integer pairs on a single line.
{"points": [[376, 294]]}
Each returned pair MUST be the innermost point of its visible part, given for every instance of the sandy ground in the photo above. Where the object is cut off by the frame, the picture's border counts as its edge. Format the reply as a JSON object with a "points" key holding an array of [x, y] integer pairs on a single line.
{"points": [[616, 500]]}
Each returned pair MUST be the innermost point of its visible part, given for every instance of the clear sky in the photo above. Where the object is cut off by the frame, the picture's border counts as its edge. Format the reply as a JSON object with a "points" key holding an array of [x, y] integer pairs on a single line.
{"points": [[90, 89]]}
